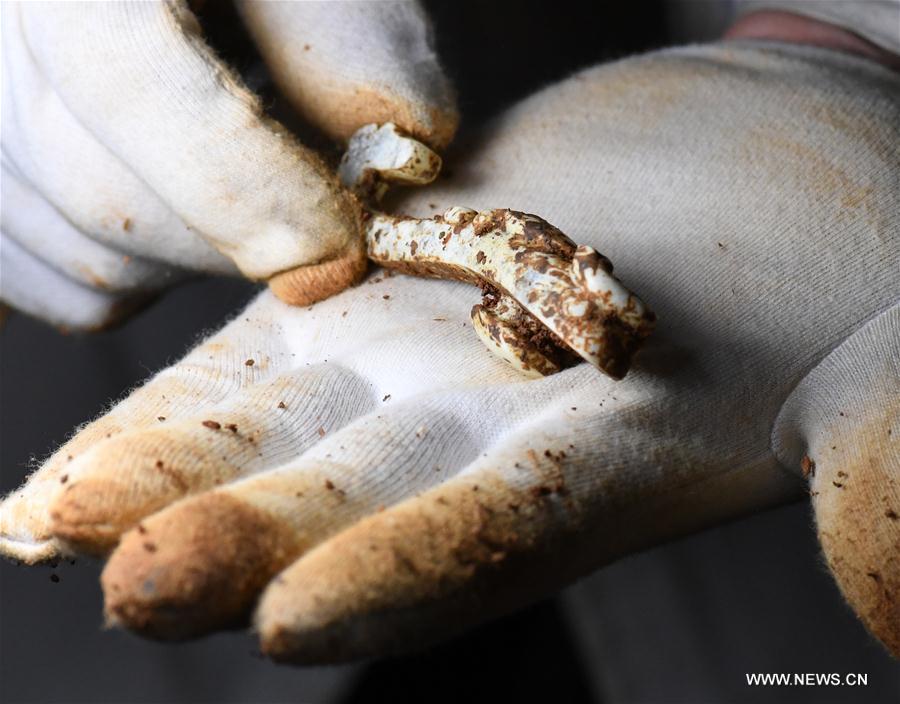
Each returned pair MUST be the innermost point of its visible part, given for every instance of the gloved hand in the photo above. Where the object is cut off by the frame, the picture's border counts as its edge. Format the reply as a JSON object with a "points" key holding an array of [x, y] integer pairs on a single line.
{"points": [[131, 152], [368, 477]]}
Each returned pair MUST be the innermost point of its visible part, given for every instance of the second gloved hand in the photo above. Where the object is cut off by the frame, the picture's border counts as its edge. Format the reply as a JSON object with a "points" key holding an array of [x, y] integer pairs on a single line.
{"points": [[132, 153], [368, 477]]}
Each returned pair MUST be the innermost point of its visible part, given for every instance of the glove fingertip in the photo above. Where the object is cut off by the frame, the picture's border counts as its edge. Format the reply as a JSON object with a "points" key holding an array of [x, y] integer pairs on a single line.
{"points": [[435, 125], [857, 509], [405, 577], [193, 567], [305, 285]]}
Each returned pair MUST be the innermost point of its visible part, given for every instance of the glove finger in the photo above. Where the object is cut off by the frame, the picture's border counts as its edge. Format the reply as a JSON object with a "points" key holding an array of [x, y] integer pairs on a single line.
{"points": [[33, 287], [345, 64], [839, 427], [571, 489], [205, 147], [212, 554], [120, 481], [208, 374], [27, 218], [91, 187]]}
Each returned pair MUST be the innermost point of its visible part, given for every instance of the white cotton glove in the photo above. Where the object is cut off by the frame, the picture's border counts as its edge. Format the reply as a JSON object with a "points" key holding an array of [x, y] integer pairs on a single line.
{"points": [[369, 477], [131, 152]]}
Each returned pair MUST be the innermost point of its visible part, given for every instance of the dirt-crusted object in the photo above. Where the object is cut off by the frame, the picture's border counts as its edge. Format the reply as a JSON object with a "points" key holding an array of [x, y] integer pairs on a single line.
{"points": [[546, 301]]}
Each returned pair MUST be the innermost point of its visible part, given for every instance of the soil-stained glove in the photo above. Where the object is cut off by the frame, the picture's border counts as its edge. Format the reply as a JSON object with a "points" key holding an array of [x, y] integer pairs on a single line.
{"points": [[131, 152], [369, 477]]}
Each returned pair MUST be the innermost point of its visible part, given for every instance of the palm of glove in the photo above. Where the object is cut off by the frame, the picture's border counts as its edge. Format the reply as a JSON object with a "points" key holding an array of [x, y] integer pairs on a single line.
{"points": [[375, 478]]}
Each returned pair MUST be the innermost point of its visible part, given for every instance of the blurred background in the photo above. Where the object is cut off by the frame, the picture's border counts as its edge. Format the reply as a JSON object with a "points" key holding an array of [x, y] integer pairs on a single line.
{"points": [[681, 623]]}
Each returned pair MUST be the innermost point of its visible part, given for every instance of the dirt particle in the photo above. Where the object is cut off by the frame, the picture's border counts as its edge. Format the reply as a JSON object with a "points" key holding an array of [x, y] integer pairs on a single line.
{"points": [[838, 484], [64, 478], [150, 547], [539, 492], [54, 578], [249, 362], [141, 529], [891, 514], [306, 47], [321, 431], [344, 314], [329, 485], [480, 257], [387, 296], [126, 224], [874, 575], [232, 427], [387, 397], [807, 467], [212, 425], [281, 404]]}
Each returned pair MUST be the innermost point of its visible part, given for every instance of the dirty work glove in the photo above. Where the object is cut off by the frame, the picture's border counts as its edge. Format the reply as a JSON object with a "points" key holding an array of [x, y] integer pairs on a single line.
{"points": [[131, 152], [365, 476]]}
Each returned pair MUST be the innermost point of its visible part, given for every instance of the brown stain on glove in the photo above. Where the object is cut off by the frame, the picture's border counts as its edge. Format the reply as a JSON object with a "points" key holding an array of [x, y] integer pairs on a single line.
{"points": [[133, 475], [305, 285], [857, 509], [208, 557], [399, 577], [182, 573], [340, 113]]}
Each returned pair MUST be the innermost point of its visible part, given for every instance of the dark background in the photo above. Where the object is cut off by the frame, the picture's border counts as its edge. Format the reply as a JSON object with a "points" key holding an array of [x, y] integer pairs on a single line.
{"points": [[680, 623]]}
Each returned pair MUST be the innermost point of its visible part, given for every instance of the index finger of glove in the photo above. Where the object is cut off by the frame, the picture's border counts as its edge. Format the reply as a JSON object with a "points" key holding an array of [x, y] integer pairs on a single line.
{"points": [[348, 64]]}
